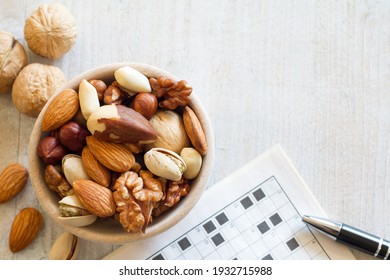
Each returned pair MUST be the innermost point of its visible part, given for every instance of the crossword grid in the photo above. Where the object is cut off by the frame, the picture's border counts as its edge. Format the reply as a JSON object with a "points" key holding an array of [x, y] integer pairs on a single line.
{"points": [[261, 224]]}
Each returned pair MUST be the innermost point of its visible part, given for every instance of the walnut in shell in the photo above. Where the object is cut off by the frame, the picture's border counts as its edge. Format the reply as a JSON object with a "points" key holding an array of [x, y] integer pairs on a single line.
{"points": [[50, 31], [34, 85], [12, 59]]}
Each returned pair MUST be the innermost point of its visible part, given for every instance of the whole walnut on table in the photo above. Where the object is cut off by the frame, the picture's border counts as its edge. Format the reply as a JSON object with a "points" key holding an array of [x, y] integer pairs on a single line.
{"points": [[34, 86], [13, 58], [50, 31]]}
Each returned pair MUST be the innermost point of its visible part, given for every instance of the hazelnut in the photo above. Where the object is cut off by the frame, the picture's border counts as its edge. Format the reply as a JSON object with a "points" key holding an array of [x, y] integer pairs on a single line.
{"points": [[72, 136], [12, 59], [146, 104], [79, 118], [50, 150], [100, 87]]}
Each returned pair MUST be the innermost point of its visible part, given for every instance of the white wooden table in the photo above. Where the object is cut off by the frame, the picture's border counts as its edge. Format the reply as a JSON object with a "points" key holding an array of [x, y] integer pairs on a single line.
{"points": [[313, 76]]}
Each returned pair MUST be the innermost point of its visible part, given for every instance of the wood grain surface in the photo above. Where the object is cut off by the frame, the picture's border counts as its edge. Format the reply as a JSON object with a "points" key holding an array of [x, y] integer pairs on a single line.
{"points": [[311, 75]]}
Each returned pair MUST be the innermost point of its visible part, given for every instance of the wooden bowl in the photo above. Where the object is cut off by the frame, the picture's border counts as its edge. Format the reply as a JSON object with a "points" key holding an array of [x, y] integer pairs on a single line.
{"points": [[110, 230]]}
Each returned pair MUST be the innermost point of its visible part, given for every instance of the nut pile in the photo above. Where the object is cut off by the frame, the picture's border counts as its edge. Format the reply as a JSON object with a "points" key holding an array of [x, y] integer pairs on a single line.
{"points": [[129, 149]]}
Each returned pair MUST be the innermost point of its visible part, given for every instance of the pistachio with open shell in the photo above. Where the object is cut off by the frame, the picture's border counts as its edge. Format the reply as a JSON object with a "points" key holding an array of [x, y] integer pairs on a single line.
{"points": [[66, 247], [73, 212], [73, 168], [165, 163]]}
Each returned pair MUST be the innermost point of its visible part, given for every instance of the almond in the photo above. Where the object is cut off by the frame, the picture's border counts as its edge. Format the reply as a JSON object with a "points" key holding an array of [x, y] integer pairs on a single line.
{"points": [[24, 229], [60, 110], [97, 171], [194, 130], [97, 199], [12, 180], [114, 156]]}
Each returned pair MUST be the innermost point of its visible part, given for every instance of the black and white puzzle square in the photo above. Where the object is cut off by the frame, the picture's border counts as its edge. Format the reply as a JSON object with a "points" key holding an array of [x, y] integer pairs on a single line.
{"points": [[260, 224]]}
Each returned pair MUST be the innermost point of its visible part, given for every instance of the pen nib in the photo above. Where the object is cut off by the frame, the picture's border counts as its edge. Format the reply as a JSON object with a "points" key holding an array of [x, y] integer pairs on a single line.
{"points": [[330, 227]]}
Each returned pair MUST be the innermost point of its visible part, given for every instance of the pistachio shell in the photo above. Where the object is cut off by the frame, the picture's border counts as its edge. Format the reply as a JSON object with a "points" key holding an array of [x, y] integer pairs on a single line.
{"points": [[71, 206], [132, 79], [76, 213], [72, 200], [73, 168], [165, 163], [79, 221], [66, 247], [193, 160]]}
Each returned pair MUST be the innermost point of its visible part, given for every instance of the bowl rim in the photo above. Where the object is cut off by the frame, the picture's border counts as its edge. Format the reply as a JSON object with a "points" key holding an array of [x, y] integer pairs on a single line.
{"points": [[44, 194]]}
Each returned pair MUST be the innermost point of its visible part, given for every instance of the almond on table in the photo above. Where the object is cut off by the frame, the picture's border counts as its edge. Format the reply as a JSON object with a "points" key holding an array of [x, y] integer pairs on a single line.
{"points": [[13, 179], [24, 229]]}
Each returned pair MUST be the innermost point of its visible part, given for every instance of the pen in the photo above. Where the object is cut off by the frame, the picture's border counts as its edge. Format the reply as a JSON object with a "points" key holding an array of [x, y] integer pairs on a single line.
{"points": [[351, 236]]}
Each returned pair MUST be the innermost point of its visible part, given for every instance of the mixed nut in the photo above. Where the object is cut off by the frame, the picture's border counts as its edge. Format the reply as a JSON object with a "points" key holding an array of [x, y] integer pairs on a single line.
{"points": [[129, 149]]}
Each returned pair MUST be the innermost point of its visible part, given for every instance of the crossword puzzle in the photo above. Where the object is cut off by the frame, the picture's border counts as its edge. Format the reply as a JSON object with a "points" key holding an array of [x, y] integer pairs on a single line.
{"points": [[261, 224]]}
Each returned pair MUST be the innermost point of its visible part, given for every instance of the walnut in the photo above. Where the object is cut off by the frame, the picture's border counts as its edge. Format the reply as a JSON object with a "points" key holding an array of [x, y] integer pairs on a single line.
{"points": [[50, 31], [151, 189], [56, 181], [176, 190], [136, 197], [130, 212], [174, 93], [113, 95], [12, 59], [160, 209], [130, 215], [34, 85]]}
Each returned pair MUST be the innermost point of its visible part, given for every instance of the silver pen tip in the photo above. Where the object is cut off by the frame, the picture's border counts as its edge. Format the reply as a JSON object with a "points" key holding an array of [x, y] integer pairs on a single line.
{"points": [[330, 227]]}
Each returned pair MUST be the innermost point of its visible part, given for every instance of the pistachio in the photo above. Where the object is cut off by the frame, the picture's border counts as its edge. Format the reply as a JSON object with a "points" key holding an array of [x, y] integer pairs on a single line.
{"points": [[165, 163], [193, 160], [74, 213], [79, 221], [73, 168], [66, 247], [89, 100], [132, 80], [71, 206]]}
